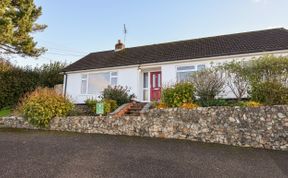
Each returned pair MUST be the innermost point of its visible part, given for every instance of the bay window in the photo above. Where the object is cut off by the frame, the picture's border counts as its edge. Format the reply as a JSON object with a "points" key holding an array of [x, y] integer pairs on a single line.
{"points": [[95, 83]]}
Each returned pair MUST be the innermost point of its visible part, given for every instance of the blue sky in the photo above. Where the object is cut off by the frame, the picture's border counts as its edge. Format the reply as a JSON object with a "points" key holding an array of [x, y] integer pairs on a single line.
{"points": [[76, 28]]}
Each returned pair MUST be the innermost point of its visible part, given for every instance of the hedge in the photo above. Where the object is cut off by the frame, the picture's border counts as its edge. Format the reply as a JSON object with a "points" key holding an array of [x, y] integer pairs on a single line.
{"points": [[16, 81]]}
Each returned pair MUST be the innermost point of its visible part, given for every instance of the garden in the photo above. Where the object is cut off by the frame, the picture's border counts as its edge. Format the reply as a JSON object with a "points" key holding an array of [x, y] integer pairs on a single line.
{"points": [[262, 81]]}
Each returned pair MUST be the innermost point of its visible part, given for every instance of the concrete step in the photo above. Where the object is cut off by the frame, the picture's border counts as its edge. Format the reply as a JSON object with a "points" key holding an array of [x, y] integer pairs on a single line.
{"points": [[135, 109], [133, 114]]}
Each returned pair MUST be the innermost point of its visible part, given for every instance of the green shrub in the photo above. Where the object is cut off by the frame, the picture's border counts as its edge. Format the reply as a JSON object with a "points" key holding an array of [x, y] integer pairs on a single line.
{"points": [[176, 95], [109, 105], [268, 79], [270, 93], [49, 74], [43, 104], [15, 83], [268, 68], [118, 93], [91, 103]]}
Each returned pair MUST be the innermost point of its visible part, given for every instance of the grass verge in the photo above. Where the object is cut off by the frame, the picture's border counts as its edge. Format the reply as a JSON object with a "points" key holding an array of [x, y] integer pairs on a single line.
{"points": [[5, 112]]}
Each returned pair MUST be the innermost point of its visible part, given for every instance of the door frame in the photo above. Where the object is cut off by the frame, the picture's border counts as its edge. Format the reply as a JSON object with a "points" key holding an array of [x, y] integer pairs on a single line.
{"points": [[149, 83], [156, 73]]}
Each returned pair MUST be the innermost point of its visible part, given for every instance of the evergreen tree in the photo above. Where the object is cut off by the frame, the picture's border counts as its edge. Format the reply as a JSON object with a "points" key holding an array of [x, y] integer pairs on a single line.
{"points": [[17, 22]]}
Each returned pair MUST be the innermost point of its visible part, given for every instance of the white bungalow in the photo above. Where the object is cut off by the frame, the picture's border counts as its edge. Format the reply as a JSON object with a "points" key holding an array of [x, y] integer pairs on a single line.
{"points": [[145, 69]]}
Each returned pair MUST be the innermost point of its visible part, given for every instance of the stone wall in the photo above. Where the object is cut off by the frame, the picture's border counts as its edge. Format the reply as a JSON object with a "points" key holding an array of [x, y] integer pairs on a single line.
{"points": [[263, 127]]}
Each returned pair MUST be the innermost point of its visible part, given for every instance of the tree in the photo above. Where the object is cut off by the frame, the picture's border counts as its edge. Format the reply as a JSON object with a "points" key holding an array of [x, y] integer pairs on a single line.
{"points": [[208, 83], [49, 74], [236, 78], [5, 65], [17, 22]]}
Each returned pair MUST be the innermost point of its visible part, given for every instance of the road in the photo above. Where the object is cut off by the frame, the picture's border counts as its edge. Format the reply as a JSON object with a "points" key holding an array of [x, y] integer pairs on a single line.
{"points": [[26, 153]]}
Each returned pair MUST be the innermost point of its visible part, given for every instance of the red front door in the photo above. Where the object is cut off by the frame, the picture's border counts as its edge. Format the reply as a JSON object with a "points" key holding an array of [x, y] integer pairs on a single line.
{"points": [[155, 83]]}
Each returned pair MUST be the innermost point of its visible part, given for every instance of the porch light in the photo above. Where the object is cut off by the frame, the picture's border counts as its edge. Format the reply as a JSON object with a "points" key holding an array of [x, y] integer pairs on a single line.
{"points": [[139, 68]]}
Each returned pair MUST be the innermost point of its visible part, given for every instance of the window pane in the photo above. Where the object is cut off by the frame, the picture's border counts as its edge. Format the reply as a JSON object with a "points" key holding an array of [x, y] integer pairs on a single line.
{"points": [[186, 68], [154, 81], [145, 95], [183, 76], [97, 82], [114, 73], [201, 67], [145, 80], [83, 87], [114, 81]]}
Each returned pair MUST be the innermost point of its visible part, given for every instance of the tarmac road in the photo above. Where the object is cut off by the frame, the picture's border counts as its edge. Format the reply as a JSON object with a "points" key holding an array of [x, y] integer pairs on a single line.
{"points": [[26, 153]]}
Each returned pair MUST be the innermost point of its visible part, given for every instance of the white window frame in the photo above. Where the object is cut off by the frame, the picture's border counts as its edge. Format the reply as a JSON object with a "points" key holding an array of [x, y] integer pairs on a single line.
{"points": [[84, 79], [87, 80], [147, 88], [188, 70], [204, 67], [113, 77]]}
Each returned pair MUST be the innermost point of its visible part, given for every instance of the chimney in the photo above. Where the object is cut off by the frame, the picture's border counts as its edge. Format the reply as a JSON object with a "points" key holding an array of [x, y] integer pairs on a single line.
{"points": [[119, 46]]}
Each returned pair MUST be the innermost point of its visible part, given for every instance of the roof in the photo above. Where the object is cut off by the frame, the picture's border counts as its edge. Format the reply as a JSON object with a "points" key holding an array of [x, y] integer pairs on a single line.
{"points": [[233, 44]]}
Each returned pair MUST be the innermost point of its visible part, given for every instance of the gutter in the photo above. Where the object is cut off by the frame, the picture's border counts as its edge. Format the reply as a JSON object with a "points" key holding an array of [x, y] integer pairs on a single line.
{"points": [[65, 84]]}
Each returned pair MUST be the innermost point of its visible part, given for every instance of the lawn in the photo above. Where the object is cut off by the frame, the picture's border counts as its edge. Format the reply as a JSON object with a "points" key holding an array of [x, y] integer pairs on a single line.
{"points": [[5, 112]]}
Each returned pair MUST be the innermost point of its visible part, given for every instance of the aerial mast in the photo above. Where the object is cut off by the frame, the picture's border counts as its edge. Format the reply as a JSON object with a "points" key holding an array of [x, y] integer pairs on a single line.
{"points": [[125, 33]]}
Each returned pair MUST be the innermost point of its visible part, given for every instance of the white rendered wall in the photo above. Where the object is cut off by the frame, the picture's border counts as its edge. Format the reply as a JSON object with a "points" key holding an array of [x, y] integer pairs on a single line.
{"points": [[73, 88], [169, 70], [126, 77], [131, 77]]}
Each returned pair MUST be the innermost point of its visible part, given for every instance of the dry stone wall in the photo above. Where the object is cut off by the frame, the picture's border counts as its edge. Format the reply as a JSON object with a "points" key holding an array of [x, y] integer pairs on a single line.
{"points": [[263, 127]]}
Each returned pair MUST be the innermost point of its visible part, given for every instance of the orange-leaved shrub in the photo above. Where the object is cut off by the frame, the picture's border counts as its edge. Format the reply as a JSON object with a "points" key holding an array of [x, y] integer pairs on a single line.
{"points": [[161, 105], [252, 104], [43, 104], [189, 106]]}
